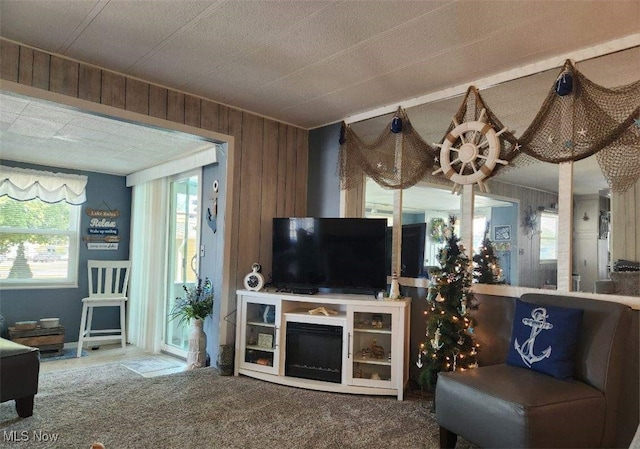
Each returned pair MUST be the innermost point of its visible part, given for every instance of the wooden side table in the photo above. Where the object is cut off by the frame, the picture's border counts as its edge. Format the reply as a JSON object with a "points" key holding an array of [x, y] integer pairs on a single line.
{"points": [[49, 341]]}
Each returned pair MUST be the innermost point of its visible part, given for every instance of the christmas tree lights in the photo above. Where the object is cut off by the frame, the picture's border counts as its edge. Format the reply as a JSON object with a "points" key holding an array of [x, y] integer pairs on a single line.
{"points": [[449, 344], [486, 268]]}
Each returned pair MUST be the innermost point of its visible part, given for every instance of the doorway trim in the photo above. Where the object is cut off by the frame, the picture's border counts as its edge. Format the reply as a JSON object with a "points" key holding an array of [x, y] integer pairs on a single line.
{"points": [[229, 270]]}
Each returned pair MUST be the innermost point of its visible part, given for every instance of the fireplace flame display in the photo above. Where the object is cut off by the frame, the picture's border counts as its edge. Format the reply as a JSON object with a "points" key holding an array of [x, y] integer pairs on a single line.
{"points": [[314, 351]]}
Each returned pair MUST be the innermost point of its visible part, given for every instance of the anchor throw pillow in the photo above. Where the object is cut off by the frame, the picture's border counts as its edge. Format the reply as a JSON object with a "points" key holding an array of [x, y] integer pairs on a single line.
{"points": [[544, 338]]}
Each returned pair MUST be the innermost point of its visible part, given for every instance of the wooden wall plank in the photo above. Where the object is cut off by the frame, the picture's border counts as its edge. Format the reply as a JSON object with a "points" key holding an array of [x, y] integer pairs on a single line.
{"points": [[113, 89], [302, 168], [530, 272], [635, 207], [352, 202], [137, 96], [290, 174], [235, 129], [359, 199], [269, 199], [267, 153], [175, 106], [25, 71], [158, 102], [41, 69], [89, 83], [625, 220], [223, 120], [250, 191], [192, 111], [63, 76], [209, 115], [9, 60], [617, 226], [282, 170], [630, 206]]}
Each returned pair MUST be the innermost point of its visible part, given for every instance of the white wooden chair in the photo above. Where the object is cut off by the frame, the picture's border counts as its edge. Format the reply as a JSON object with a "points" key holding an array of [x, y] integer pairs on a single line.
{"points": [[108, 282]]}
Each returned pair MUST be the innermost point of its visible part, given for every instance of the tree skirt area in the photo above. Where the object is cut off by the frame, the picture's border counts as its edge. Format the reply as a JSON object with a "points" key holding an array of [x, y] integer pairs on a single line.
{"points": [[196, 409]]}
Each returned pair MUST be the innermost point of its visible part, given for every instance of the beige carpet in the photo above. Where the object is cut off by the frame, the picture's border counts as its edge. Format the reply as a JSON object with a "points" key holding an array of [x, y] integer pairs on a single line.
{"points": [[200, 409]]}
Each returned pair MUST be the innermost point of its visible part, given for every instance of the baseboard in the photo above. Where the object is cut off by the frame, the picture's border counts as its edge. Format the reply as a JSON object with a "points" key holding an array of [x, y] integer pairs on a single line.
{"points": [[74, 344]]}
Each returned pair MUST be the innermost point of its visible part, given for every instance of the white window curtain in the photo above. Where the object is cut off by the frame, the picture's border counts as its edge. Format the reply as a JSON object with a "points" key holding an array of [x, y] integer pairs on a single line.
{"points": [[149, 234], [149, 245], [25, 184]]}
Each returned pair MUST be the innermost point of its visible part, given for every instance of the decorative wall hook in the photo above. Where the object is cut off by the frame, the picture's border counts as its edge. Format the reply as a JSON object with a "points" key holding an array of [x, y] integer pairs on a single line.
{"points": [[212, 212]]}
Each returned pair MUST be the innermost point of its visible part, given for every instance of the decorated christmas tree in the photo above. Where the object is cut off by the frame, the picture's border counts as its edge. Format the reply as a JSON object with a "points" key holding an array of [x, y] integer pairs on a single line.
{"points": [[486, 268], [449, 344]]}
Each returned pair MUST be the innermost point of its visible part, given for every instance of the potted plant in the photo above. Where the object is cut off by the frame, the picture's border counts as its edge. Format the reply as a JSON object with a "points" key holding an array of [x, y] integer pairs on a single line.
{"points": [[196, 304]]}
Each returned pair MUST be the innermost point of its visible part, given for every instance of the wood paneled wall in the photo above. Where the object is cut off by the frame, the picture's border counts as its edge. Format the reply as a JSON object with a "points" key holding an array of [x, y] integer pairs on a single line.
{"points": [[270, 169], [625, 222], [530, 272]]}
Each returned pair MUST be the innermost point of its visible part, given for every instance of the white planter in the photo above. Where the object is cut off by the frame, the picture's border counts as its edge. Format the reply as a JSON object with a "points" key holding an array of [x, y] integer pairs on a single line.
{"points": [[197, 352]]}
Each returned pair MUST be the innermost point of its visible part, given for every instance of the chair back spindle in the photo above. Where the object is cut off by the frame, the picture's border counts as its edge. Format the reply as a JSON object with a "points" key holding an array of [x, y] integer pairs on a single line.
{"points": [[108, 278]]}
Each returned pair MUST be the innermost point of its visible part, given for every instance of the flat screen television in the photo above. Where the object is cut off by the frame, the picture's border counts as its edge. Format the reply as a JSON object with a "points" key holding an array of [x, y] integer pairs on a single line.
{"points": [[345, 255], [412, 257]]}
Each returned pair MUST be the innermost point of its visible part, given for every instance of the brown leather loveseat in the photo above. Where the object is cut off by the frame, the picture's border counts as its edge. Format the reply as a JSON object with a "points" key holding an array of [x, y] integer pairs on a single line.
{"points": [[19, 369], [512, 407]]}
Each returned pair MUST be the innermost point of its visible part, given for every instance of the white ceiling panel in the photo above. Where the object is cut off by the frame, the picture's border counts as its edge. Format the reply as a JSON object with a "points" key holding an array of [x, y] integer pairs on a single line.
{"points": [[218, 39], [44, 133], [308, 63], [140, 30], [298, 61], [46, 24]]}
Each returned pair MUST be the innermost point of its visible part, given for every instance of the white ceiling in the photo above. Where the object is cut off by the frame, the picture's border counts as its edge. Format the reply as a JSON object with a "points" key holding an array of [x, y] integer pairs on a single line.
{"points": [[307, 63], [311, 63], [46, 133]]}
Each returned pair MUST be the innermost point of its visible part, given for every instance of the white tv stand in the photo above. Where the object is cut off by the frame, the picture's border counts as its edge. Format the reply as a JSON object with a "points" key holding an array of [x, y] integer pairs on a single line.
{"points": [[375, 339]]}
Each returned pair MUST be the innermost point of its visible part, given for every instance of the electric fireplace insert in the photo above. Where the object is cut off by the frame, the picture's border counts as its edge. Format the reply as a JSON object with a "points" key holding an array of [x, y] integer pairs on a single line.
{"points": [[314, 351]]}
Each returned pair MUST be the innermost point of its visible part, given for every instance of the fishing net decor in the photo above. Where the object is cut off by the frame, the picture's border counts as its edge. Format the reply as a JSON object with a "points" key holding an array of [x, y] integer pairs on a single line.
{"points": [[476, 144], [379, 159], [578, 119], [590, 120]]}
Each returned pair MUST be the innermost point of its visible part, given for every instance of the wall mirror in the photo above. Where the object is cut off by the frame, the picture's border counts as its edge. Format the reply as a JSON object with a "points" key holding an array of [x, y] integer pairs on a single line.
{"points": [[425, 212], [526, 197]]}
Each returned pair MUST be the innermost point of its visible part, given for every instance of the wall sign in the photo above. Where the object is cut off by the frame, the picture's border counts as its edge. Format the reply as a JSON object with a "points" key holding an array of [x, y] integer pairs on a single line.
{"points": [[100, 213], [102, 246], [102, 233], [502, 233]]}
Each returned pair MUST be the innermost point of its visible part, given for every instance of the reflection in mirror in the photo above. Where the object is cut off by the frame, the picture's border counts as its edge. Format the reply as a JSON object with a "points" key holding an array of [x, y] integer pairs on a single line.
{"points": [[591, 210], [531, 261], [425, 213], [498, 219], [534, 185]]}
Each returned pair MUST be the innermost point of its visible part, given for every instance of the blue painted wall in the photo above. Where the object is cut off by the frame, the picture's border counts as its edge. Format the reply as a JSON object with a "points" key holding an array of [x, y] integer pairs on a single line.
{"points": [[103, 192], [323, 189], [212, 262], [508, 259]]}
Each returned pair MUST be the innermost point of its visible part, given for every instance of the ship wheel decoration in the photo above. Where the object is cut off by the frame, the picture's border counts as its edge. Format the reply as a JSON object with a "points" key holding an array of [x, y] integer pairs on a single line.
{"points": [[470, 152]]}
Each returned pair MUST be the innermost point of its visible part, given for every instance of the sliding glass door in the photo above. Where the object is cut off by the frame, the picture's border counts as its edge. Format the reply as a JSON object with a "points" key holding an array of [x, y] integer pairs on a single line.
{"points": [[182, 266]]}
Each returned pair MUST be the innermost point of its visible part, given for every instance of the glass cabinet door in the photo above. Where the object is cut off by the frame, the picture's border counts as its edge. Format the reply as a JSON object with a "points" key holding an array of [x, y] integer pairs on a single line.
{"points": [[371, 340], [260, 335]]}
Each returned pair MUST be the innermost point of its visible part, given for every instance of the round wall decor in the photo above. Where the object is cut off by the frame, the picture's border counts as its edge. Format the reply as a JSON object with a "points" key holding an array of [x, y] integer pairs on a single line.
{"points": [[470, 152]]}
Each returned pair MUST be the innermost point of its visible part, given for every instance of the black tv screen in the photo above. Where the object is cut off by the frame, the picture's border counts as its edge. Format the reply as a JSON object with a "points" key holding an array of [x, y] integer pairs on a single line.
{"points": [[412, 254], [338, 254]]}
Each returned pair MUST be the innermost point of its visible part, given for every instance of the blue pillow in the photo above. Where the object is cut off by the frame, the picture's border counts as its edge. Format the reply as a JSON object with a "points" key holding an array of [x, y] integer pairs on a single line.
{"points": [[544, 338]]}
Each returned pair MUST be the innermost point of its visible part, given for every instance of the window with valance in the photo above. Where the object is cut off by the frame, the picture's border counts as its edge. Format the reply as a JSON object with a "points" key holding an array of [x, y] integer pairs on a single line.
{"points": [[39, 228], [26, 184]]}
